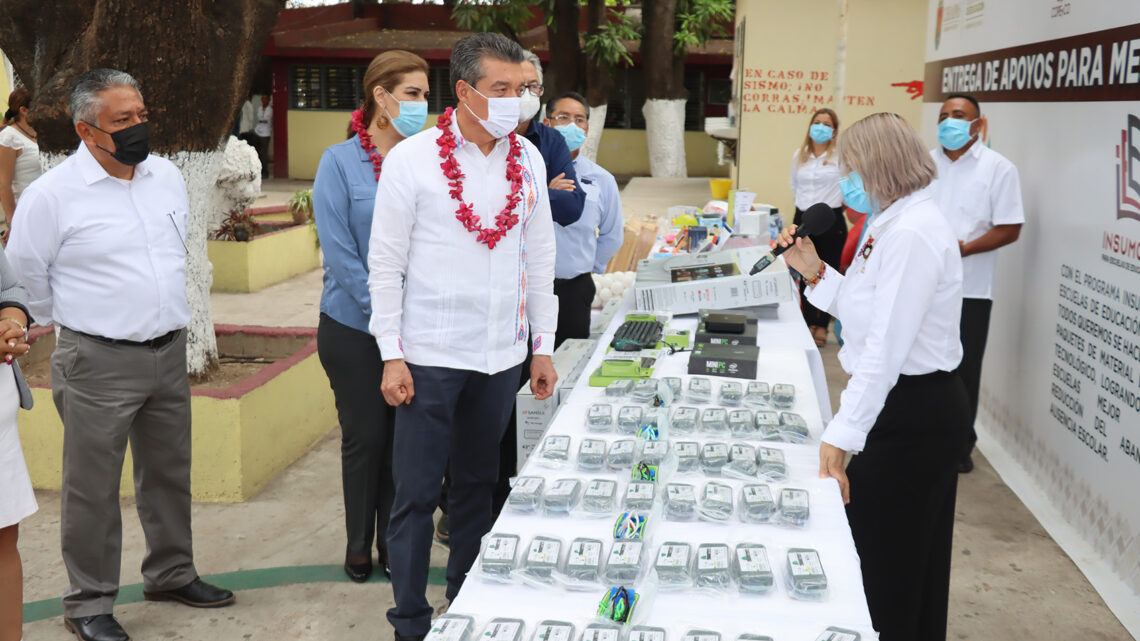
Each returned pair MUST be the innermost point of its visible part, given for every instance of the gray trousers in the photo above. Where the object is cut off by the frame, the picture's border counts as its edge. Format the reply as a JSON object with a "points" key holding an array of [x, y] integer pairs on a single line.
{"points": [[106, 395], [458, 414]]}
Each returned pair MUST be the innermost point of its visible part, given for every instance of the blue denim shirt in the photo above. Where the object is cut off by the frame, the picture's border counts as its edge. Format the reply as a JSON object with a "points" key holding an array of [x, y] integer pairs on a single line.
{"points": [[344, 192]]}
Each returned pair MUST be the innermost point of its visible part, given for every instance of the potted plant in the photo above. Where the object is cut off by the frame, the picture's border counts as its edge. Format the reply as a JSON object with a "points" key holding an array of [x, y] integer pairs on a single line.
{"points": [[239, 225], [301, 206]]}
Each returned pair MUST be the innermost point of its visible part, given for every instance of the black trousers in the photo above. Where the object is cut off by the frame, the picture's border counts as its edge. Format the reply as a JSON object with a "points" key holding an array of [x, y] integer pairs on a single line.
{"points": [[453, 411], [575, 296], [975, 330], [829, 246], [903, 487], [352, 362], [261, 146]]}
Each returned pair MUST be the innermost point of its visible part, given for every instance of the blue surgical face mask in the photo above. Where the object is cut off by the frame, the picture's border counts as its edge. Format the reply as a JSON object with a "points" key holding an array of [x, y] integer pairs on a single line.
{"points": [[573, 134], [854, 195], [413, 115], [954, 133], [820, 132]]}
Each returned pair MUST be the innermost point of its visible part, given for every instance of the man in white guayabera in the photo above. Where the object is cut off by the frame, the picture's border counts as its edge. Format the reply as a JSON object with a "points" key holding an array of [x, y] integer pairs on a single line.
{"points": [[461, 273]]}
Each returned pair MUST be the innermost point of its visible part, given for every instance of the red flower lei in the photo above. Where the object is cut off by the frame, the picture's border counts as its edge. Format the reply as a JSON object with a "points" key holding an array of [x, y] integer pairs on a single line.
{"points": [[506, 219], [361, 130]]}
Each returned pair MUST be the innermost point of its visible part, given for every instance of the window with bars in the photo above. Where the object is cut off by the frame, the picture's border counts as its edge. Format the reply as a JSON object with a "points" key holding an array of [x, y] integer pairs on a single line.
{"points": [[341, 87], [628, 95]]}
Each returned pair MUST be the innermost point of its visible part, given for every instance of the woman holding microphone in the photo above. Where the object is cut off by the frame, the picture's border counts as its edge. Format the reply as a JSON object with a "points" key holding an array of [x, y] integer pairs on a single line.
{"points": [[904, 412], [344, 192], [815, 179]]}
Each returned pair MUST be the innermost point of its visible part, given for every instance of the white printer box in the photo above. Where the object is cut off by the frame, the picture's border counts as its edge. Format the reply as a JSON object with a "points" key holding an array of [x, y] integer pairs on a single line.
{"points": [[715, 280], [533, 416]]}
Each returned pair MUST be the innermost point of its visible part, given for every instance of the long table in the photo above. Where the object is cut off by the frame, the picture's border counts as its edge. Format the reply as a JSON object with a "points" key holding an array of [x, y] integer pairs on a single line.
{"points": [[788, 355]]}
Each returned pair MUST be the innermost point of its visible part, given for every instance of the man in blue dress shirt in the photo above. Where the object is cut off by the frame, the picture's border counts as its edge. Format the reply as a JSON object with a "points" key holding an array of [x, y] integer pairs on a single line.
{"points": [[589, 244]]}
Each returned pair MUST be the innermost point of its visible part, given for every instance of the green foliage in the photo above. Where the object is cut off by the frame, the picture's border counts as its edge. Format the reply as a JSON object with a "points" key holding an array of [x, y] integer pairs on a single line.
{"points": [[699, 20], [301, 205], [607, 47], [505, 16]]}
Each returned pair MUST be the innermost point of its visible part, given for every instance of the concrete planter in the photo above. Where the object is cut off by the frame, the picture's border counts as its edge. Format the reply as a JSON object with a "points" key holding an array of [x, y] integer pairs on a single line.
{"points": [[244, 435], [265, 260]]}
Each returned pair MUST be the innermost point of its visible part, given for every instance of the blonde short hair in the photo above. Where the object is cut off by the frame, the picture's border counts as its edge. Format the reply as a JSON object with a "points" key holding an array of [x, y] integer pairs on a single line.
{"points": [[889, 157]]}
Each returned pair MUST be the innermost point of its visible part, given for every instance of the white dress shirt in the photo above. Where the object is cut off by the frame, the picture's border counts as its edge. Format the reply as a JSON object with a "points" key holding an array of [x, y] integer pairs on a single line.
{"points": [[900, 307], [976, 193], [101, 255], [589, 244], [264, 121], [816, 180], [441, 298]]}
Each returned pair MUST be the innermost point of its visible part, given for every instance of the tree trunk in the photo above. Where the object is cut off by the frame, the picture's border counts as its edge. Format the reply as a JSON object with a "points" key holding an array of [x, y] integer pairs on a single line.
{"points": [[665, 91], [599, 81], [564, 70], [194, 60]]}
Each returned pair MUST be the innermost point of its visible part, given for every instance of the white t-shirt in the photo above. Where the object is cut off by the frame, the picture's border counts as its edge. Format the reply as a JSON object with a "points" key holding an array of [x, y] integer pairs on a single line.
{"points": [[816, 180], [976, 193], [264, 126], [27, 163]]}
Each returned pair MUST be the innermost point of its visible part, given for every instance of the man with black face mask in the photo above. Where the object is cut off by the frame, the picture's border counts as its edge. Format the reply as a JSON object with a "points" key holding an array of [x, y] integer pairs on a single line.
{"points": [[102, 251]]}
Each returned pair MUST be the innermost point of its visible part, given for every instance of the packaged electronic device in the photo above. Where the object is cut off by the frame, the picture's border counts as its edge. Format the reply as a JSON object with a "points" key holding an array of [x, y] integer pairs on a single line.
{"points": [[712, 566], [805, 576], [600, 497], [751, 568], [714, 420], [674, 564], [451, 627], [688, 455], [526, 493], [591, 454], [757, 505], [500, 556], [680, 502], [600, 417], [714, 456], [561, 497]]}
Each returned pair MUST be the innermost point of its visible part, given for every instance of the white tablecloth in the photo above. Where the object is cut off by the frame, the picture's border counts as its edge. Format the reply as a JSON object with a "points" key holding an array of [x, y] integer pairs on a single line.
{"points": [[788, 355]]}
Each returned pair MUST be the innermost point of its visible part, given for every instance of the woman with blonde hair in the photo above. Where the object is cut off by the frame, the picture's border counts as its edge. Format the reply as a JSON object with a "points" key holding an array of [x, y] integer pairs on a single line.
{"points": [[344, 193], [904, 411], [19, 153], [815, 179]]}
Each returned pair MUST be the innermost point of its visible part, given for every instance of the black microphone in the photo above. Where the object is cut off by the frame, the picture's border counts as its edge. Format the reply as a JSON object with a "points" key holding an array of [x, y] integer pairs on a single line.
{"points": [[817, 219]]}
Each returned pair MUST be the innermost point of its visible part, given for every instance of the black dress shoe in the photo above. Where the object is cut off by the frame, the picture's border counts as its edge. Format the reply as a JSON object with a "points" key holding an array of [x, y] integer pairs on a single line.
{"points": [[966, 465], [358, 572], [101, 627], [196, 594]]}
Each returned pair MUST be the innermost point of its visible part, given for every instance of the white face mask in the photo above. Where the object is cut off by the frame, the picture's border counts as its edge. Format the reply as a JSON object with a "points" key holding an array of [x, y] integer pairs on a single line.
{"points": [[502, 114], [528, 106]]}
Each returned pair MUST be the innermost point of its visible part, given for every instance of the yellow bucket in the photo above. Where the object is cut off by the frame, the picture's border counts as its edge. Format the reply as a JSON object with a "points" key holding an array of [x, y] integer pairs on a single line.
{"points": [[720, 188]]}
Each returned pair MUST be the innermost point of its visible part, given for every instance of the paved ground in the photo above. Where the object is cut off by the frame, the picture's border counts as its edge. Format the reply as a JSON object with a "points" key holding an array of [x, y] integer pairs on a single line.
{"points": [[282, 550]]}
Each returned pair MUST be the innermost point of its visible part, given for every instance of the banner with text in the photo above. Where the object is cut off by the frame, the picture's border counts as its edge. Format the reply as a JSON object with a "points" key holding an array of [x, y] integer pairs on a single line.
{"points": [[1060, 85]]}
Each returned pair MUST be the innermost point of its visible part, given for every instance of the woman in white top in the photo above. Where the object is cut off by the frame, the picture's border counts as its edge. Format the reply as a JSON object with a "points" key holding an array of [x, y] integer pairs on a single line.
{"points": [[17, 501], [815, 179], [19, 153], [904, 411]]}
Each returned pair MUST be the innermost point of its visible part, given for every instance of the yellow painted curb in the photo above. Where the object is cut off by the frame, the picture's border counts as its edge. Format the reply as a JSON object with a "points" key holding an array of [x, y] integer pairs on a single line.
{"points": [[266, 260]]}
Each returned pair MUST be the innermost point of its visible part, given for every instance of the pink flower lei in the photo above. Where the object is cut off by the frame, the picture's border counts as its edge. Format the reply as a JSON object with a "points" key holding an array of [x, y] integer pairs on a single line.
{"points": [[506, 219], [361, 129]]}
